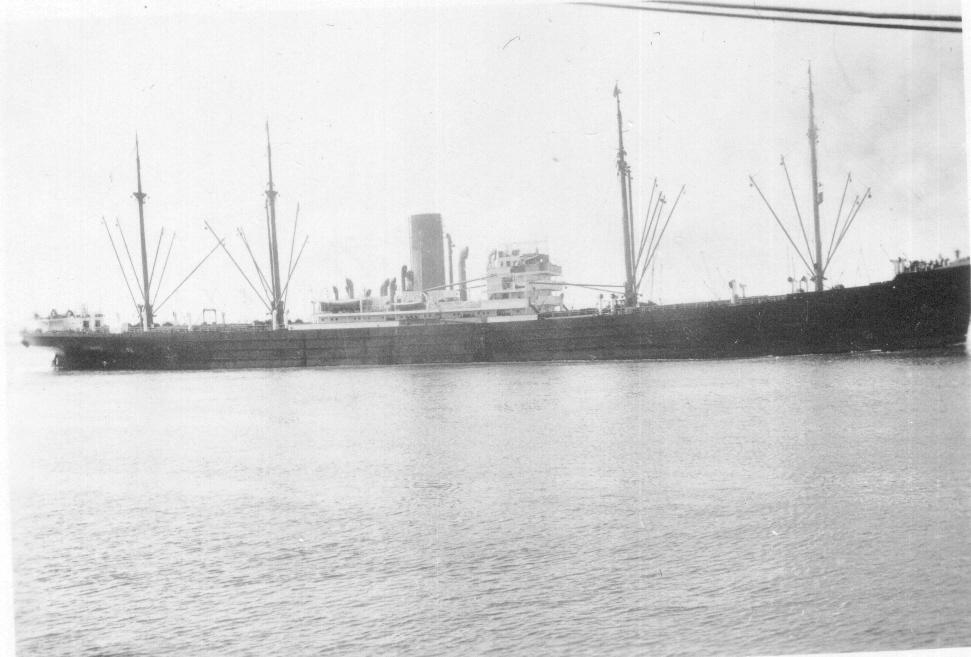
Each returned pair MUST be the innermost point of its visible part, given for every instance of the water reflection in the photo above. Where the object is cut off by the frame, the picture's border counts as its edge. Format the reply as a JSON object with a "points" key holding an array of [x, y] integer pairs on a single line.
{"points": [[768, 506]]}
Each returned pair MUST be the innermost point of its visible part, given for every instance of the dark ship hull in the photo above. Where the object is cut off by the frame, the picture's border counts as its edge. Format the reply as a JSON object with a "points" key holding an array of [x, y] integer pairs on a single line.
{"points": [[922, 310]]}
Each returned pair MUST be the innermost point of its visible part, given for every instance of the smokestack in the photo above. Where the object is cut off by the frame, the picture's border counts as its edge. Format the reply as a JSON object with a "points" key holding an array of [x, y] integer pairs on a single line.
{"points": [[448, 238], [463, 290], [427, 251], [404, 278]]}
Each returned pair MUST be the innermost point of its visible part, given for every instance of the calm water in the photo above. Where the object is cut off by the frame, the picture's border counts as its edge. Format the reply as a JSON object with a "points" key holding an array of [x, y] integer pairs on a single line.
{"points": [[732, 507]]}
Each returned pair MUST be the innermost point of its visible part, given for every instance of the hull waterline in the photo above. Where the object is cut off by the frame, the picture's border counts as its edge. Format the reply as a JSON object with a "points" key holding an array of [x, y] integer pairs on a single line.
{"points": [[925, 310]]}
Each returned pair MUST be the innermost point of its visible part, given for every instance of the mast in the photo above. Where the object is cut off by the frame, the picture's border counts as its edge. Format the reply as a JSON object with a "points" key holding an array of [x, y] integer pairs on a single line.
{"points": [[630, 295], [817, 197], [276, 308], [147, 319]]}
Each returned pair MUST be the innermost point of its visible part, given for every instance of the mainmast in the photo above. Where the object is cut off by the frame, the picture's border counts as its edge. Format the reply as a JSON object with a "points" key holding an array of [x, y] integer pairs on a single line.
{"points": [[276, 307], [817, 196], [812, 258], [147, 319], [630, 292]]}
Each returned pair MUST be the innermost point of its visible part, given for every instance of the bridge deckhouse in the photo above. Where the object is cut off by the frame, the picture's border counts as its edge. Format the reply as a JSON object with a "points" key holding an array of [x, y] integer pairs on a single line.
{"points": [[517, 272]]}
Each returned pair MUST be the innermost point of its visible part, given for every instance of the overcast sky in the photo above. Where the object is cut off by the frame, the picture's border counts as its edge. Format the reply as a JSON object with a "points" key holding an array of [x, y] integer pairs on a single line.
{"points": [[500, 117]]}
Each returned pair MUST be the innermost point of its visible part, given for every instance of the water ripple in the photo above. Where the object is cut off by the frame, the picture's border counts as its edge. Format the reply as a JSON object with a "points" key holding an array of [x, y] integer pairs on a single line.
{"points": [[770, 506]]}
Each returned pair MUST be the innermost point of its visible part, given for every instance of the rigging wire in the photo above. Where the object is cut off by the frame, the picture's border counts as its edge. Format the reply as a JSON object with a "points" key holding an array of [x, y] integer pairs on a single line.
{"points": [[647, 237], [118, 258], [233, 260], [657, 243], [646, 225], [707, 277], [189, 275], [832, 239], [292, 269], [817, 21], [151, 277], [293, 241], [849, 222], [779, 221], [128, 252], [805, 10], [259, 272], [802, 226], [165, 265]]}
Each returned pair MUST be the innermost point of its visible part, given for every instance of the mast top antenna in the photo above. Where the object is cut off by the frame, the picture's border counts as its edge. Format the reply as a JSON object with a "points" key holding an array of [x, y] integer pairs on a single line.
{"points": [[269, 160], [140, 195]]}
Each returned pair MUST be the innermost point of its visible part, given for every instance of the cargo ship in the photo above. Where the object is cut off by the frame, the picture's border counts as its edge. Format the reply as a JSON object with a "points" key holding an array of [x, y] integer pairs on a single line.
{"points": [[521, 316]]}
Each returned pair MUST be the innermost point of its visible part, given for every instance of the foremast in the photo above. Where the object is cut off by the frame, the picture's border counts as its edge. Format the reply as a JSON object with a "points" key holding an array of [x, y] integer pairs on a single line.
{"points": [[817, 195], [277, 312], [623, 170], [816, 265], [638, 258], [147, 317]]}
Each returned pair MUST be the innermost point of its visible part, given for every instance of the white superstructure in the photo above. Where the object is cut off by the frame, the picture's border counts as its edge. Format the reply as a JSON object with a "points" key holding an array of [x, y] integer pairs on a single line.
{"points": [[81, 322], [519, 283]]}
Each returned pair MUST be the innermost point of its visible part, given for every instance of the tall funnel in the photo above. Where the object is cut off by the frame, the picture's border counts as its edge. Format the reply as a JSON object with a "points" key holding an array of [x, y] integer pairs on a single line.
{"points": [[427, 252]]}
